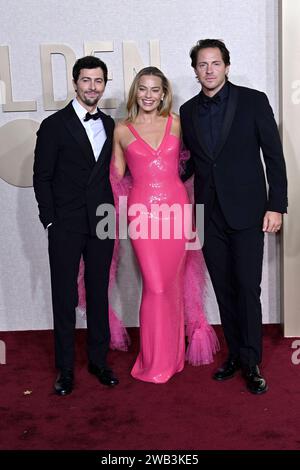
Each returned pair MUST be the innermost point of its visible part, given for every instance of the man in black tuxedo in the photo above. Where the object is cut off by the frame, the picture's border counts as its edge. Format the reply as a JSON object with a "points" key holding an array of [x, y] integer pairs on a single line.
{"points": [[225, 127], [71, 179]]}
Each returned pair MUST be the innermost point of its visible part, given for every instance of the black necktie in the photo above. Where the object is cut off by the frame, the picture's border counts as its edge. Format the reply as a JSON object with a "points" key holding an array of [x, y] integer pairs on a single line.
{"points": [[89, 116]]}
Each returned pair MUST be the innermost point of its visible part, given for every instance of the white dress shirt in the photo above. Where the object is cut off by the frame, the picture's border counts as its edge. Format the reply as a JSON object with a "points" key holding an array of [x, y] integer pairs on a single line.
{"points": [[94, 128]]}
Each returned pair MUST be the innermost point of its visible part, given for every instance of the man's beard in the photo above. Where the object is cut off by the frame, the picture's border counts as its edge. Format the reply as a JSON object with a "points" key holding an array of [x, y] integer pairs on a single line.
{"points": [[90, 101]]}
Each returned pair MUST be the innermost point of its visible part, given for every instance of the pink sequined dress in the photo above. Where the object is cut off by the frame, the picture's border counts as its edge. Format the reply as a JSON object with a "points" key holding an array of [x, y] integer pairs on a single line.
{"points": [[155, 181]]}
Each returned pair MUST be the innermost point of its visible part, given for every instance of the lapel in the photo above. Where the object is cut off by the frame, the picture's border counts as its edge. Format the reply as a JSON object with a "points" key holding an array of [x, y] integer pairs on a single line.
{"points": [[195, 119], [106, 149], [229, 115], [78, 132]]}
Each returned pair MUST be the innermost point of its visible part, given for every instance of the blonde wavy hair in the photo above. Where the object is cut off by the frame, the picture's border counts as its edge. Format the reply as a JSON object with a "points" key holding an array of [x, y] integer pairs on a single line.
{"points": [[165, 106]]}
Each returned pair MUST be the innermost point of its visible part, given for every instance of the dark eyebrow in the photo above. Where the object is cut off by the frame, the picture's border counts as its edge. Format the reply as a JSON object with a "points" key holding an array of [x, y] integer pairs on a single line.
{"points": [[90, 78]]}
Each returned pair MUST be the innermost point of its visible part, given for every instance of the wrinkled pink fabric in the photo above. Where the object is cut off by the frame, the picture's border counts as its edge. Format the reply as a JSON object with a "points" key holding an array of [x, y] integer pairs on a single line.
{"points": [[119, 338], [202, 340]]}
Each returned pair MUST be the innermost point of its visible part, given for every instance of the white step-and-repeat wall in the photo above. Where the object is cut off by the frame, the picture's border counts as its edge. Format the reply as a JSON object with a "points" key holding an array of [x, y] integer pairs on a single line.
{"points": [[37, 39]]}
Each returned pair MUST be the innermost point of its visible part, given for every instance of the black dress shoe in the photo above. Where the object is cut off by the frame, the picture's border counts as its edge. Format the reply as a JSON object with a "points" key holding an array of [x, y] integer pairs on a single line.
{"points": [[227, 370], [64, 382], [255, 382], [103, 374]]}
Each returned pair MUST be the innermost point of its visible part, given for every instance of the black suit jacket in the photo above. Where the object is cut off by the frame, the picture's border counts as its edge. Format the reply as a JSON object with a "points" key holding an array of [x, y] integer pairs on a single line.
{"points": [[235, 171], [69, 184]]}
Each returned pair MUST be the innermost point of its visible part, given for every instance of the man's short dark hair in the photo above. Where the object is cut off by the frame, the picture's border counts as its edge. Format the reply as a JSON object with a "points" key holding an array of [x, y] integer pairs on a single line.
{"points": [[89, 62], [204, 44]]}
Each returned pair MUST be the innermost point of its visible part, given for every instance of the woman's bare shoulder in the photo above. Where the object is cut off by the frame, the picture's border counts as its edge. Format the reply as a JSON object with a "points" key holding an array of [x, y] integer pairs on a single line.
{"points": [[175, 124], [121, 128], [175, 117]]}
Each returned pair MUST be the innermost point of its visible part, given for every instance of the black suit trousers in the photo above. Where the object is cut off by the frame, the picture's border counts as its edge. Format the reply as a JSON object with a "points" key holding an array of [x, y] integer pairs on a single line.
{"points": [[234, 261], [65, 250]]}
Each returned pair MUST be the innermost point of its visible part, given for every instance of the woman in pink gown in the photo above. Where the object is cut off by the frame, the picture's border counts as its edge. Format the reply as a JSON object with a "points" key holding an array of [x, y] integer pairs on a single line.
{"points": [[148, 142]]}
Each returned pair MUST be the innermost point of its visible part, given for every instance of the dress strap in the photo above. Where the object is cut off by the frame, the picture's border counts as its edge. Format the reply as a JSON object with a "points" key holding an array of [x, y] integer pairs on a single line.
{"points": [[169, 124], [132, 130]]}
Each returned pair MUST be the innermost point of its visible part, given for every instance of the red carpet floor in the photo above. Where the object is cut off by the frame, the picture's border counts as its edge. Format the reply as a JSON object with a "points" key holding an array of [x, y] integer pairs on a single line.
{"points": [[190, 412]]}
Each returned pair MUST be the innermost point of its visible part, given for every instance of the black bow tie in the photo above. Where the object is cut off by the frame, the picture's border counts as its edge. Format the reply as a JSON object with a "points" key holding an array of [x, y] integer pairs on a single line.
{"points": [[208, 101], [89, 116]]}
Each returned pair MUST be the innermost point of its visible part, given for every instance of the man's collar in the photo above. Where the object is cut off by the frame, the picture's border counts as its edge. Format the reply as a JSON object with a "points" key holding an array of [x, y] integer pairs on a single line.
{"points": [[218, 97], [80, 110]]}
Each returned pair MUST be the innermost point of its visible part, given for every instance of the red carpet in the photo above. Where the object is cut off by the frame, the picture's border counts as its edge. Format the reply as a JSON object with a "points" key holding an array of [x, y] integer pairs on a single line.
{"points": [[191, 411]]}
